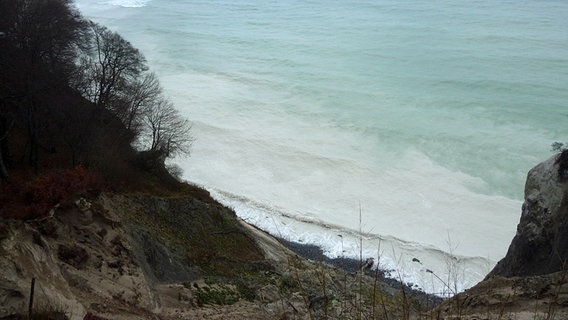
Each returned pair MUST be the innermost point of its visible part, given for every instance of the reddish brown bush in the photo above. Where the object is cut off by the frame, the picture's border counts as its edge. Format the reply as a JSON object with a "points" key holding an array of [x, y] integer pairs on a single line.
{"points": [[29, 197]]}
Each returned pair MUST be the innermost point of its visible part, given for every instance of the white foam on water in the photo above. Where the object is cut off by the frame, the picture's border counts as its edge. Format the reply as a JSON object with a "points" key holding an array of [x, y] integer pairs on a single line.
{"points": [[308, 183], [128, 3], [423, 267], [325, 172]]}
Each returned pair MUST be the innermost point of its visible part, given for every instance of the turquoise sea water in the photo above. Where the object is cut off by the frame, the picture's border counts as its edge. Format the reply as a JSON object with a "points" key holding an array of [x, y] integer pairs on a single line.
{"points": [[423, 116]]}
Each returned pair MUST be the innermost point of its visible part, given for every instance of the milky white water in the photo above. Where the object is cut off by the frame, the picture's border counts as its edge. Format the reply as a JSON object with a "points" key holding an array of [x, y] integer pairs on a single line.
{"points": [[422, 117]]}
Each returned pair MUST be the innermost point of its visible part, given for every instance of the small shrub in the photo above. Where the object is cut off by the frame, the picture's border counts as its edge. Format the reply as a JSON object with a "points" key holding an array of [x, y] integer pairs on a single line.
{"points": [[558, 146], [175, 170], [220, 296], [288, 283], [245, 290]]}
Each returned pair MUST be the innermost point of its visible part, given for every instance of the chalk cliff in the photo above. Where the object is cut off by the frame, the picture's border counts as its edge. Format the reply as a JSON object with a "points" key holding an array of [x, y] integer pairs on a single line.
{"points": [[531, 281], [540, 245]]}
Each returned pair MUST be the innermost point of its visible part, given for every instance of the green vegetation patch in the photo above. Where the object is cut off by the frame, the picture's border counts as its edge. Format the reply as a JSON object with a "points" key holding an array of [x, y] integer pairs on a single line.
{"points": [[223, 290], [209, 233]]}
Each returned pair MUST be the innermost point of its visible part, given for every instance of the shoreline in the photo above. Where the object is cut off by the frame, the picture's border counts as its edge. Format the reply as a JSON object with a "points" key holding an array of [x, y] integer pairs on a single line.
{"points": [[350, 265]]}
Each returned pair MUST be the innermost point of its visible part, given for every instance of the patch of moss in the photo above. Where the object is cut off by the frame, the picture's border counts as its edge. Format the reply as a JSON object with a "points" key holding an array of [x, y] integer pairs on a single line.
{"points": [[287, 283], [219, 294], [208, 232], [228, 290]]}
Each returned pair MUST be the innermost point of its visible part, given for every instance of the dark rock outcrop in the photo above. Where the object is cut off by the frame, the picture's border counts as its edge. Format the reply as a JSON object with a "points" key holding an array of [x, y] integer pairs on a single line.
{"points": [[540, 245], [157, 261]]}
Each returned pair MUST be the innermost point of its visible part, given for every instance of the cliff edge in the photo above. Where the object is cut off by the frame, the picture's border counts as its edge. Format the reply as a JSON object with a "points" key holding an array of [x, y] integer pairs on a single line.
{"points": [[540, 245], [140, 256], [121, 256], [531, 281]]}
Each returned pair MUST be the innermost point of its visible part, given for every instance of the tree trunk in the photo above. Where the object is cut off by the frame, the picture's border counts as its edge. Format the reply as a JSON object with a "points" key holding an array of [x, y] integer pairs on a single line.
{"points": [[32, 136], [3, 170], [4, 151]]}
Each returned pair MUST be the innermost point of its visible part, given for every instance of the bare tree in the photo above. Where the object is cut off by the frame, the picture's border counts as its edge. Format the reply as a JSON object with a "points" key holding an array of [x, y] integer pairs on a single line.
{"points": [[47, 33], [135, 99], [113, 64], [51, 61], [4, 130], [169, 132]]}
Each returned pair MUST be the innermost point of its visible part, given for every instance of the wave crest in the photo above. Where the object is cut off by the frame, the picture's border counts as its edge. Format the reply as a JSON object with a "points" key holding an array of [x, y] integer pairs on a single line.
{"points": [[419, 264], [129, 3]]}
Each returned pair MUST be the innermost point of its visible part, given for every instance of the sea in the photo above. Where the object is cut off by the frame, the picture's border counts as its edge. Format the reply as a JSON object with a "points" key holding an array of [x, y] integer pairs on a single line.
{"points": [[399, 130]]}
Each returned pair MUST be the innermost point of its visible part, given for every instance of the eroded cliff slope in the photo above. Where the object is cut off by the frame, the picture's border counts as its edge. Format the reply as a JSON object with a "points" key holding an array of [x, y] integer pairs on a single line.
{"points": [[121, 256]]}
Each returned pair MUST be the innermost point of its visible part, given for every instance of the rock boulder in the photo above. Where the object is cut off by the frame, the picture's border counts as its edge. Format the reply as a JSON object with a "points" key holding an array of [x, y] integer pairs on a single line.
{"points": [[540, 245]]}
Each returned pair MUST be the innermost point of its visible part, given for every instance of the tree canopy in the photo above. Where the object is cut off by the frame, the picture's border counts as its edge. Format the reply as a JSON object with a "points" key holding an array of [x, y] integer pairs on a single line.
{"points": [[80, 111], [75, 91]]}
